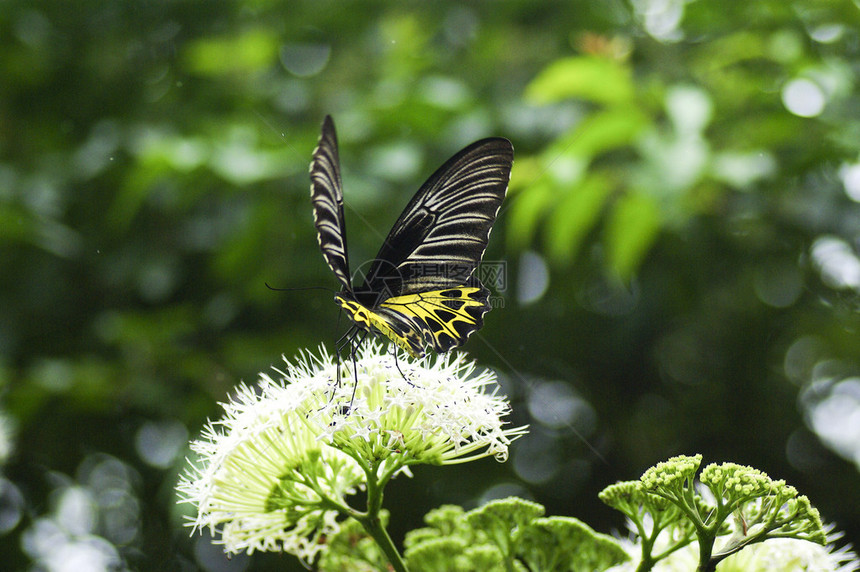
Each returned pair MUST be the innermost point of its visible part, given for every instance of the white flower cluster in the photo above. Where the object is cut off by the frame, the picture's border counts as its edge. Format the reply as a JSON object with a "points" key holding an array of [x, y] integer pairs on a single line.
{"points": [[438, 411], [275, 472]]}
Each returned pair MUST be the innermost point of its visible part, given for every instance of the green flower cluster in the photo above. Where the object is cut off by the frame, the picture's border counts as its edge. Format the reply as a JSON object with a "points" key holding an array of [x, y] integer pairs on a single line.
{"points": [[735, 505]]}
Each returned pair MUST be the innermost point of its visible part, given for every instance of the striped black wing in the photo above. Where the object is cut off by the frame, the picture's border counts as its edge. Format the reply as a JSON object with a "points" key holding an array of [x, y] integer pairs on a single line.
{"points": [[442, 233], [327, 199]]}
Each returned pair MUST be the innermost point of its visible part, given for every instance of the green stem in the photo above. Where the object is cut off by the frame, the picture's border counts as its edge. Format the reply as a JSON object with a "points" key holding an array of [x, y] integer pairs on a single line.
{"points": [[372, 523], [706, 549], [647, 562], [374, 528]]}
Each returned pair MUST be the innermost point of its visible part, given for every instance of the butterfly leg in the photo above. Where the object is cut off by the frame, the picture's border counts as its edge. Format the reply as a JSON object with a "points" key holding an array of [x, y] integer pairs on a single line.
{"points": [[354, 345], [397, 365], [338, 345], [347, 339], [338, 348]]}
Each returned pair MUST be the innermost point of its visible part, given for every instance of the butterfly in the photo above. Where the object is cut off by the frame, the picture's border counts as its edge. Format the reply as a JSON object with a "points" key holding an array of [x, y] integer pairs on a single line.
{"points": [[419, 291]]}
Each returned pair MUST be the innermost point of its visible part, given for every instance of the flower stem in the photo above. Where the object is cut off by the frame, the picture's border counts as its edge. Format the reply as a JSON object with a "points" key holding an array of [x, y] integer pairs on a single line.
{"points": [[374, 528], [371, 521], [706, 548]]}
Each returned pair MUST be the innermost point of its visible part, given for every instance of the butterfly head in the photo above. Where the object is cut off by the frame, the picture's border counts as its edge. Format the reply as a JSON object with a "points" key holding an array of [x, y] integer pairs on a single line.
{"points": [[345, 299], [356, 311]]}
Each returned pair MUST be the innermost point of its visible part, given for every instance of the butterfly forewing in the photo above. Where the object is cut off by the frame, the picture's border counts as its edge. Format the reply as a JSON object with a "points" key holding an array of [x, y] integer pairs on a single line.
{"points": [[327, 199], [442, 233]]}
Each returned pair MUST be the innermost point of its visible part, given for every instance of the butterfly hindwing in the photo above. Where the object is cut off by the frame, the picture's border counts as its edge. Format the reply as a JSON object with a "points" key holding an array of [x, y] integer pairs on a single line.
{"points": [[441, 319], [446, 318], [327, 199]]}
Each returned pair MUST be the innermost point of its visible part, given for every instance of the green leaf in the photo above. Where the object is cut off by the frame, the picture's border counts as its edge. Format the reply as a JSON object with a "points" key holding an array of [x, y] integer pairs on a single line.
{"points": [[592, 78], [563, 186], [575, 215], [525, 172], [566, 543], [631, 230], [483, 557], [447, 519], [249, 52], [436, 555], [527, 211], [453, 543], [509, 513], [600, 132], [499, 518], [16, 224]]}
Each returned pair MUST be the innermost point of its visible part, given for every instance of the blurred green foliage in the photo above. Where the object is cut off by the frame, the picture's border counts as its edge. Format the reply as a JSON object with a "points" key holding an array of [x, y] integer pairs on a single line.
{"points": [[680, 237]]}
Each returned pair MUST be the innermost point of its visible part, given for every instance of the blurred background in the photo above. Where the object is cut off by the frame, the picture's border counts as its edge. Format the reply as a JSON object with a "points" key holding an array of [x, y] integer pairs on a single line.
{"points": [[678, 249]]}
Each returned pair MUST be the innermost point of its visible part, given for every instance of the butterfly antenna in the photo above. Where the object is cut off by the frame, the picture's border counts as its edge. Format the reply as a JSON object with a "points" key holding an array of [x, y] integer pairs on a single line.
{"points": [[299, 288]]}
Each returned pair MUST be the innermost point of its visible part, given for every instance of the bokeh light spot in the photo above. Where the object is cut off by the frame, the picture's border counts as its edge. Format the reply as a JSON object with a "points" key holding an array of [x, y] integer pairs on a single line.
{"points": [[304, 60], [532, 279], [538, 458], [850, 175], [834, 415], [778, 284], [159, 444], [801, 357], [837, 263], [11, 506], [803, 98], [555, 405]]}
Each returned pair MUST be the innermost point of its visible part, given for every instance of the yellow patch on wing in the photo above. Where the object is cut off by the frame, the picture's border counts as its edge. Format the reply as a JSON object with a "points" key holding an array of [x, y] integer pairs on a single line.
{"points": [[408, 339], [446, 317], [443, 319]]}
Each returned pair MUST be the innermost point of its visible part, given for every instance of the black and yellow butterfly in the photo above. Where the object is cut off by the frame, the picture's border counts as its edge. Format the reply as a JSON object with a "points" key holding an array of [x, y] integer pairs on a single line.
{"points": [[419, 290]]}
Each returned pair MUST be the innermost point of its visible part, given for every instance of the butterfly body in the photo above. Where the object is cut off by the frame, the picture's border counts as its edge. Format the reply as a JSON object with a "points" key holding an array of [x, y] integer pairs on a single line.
{"points": [[393, 326], [420, 290]]}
